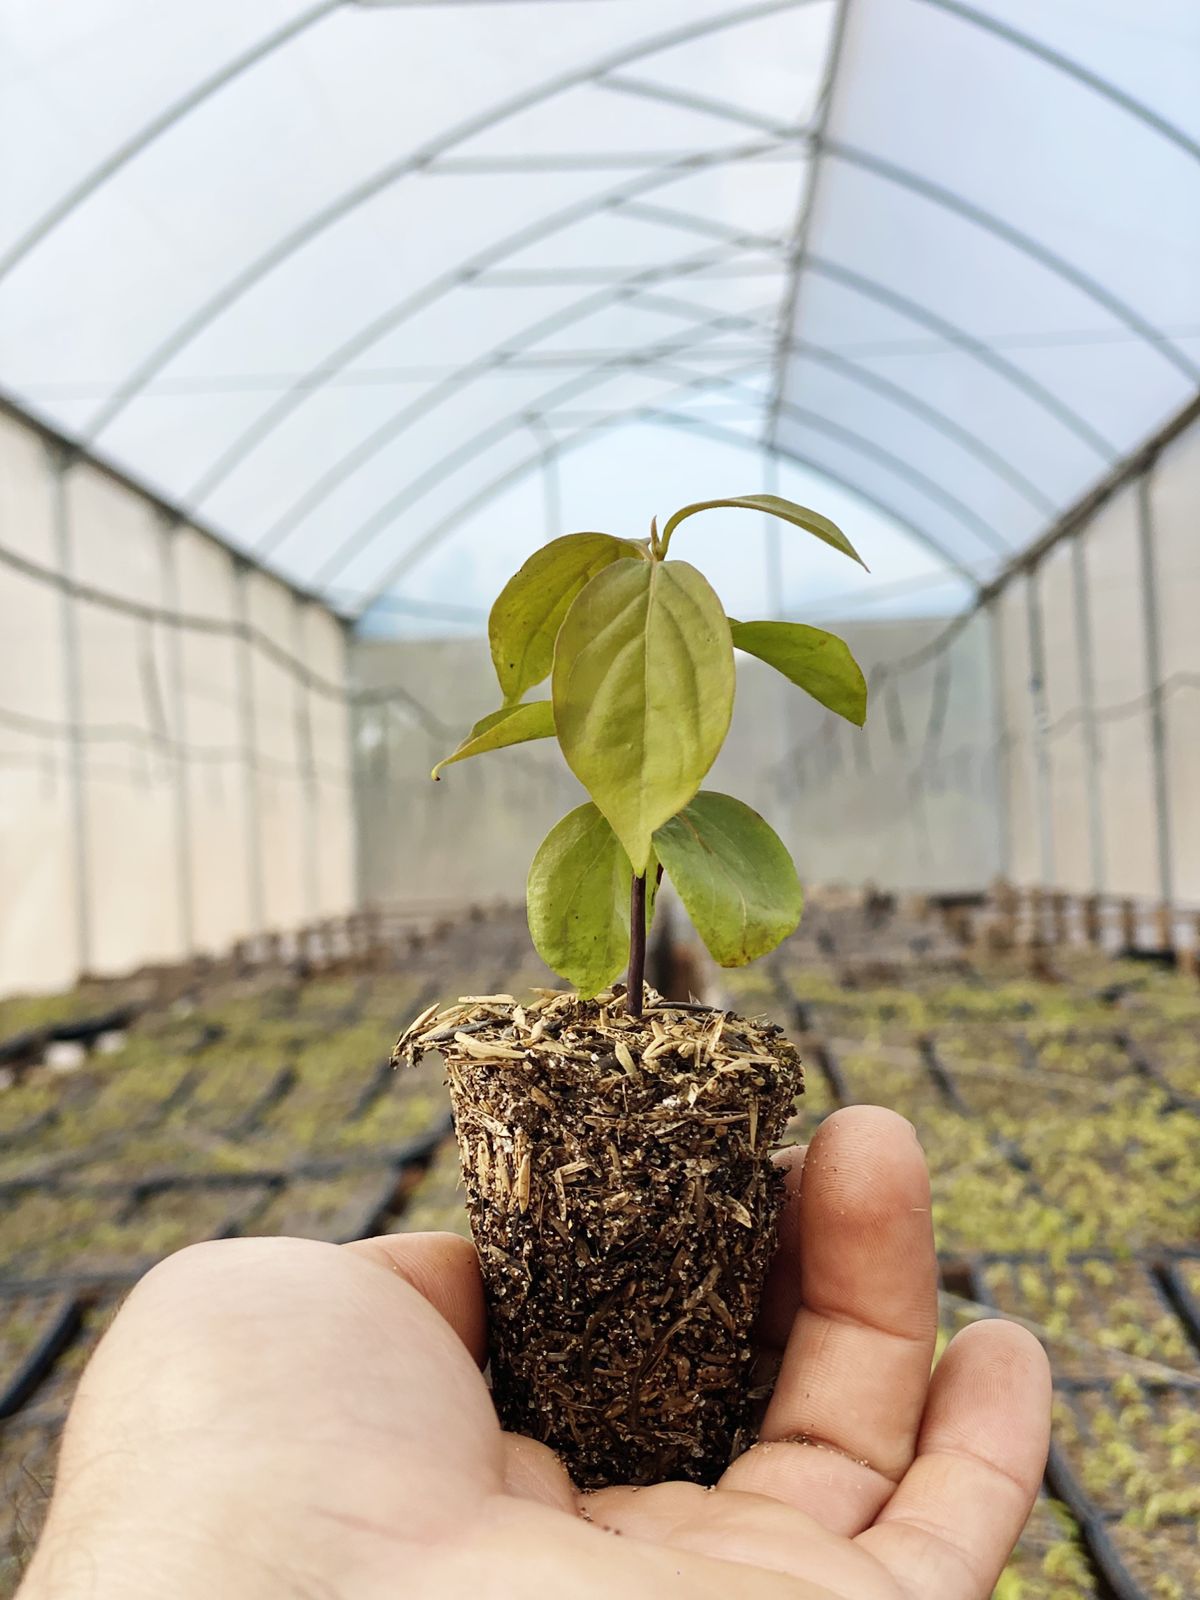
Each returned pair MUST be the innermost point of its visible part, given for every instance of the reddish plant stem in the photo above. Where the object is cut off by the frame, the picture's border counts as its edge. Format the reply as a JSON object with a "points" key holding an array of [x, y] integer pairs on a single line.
{"points": [[635, 987]]}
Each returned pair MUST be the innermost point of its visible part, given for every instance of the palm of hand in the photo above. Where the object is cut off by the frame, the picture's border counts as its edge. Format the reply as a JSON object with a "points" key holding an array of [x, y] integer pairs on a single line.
{"points": [[340, 1411]]}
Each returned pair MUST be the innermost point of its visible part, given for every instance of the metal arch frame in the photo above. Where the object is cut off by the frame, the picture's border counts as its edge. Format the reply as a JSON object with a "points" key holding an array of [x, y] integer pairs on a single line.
{"points": [[454, 383], [360, 538], [685, 222], [1072, 69], [153, 130], [286, 404], [618, 198], [551, 161], [799, 252], [920, 315], [496, 431], [181, 108], [626, 192], [953, 335], [986, 534], [871, 288], [686, 100], [947, 199], [936, 419], [386, 322], [1012, 36], [538, 277], [433, 536], [414, 161]]}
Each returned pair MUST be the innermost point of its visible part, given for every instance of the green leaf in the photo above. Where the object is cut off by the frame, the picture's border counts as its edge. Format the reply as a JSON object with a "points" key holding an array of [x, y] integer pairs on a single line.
{"points": [[1009, 1586], [818, 662], [734, 876], [510, 725], [812, 521], [577, 899], [643, 692], [526, 616]]}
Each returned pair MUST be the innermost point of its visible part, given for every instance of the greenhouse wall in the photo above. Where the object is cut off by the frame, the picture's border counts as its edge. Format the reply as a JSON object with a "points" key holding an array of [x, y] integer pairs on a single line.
{"points": [[1099, 667], [907, 803], [174, 739]]}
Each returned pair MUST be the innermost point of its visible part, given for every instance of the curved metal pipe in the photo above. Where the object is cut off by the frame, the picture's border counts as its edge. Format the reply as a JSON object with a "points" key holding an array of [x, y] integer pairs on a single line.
{"points": [[153, 130], [494, 360], [414, 161], [363, 536], [953, 335], [1072, 69], [395, 316], [623, 197], [447, 524]]}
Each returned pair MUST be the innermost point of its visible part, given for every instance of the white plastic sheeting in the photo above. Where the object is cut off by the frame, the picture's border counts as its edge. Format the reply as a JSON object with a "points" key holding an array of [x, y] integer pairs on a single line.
{"points": [[1102, 741], [998, 290], [164, 789], [1175, 518], [1023, 818], [318, 278], [909, 803], [38, 864], [347, 280], [1126, 776], [332, 275]]}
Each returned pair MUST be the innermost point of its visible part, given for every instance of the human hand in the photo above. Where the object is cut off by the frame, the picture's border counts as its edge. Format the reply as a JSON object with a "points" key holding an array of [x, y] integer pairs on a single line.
{"points": [[274, 1417]]}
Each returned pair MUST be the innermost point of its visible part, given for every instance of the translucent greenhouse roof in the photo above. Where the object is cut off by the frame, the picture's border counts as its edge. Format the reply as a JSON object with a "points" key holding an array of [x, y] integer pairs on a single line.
{"points": [[333, 276]]}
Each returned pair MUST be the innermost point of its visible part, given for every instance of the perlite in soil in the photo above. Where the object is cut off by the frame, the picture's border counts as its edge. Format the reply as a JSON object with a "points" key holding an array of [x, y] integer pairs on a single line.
{"points": [[616, 1148]]}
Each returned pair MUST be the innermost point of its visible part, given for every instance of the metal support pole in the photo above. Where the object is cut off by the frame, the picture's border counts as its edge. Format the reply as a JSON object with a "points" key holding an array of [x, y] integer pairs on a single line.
{"points": [[1041, 750], [60, 465], [359, 772], [552, 514], [252, 800], [773, 544], [1002, 765], [1087, 704], [185, 896], [310, 832], [778, 688], [1152, 627]]}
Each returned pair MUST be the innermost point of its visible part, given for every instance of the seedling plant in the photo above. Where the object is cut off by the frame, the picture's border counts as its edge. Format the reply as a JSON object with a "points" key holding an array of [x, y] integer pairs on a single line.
{"points": [[616, 1146], [640, 657]]}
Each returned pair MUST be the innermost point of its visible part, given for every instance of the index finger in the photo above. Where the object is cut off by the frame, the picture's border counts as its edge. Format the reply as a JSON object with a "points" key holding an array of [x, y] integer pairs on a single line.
{"points": [[443, 1268], [841, 1428]]}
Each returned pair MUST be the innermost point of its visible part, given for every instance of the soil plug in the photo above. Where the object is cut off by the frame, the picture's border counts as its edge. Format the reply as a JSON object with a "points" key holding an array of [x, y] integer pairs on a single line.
{"points": [[616, 1149]]}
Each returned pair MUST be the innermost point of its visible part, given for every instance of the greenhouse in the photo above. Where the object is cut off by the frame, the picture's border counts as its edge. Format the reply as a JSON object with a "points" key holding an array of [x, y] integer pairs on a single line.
{"points": [[320, 320]]}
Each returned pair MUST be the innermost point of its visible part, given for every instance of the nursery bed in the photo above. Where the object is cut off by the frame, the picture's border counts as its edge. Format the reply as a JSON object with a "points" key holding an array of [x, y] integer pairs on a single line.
{"points": [[1061, 1124], [1060, 1120], [263, 1104]]}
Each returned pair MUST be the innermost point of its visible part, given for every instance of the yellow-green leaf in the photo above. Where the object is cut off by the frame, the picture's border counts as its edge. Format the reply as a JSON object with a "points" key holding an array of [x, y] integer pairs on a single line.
{"points": [[774, 506], [578, 900], [510, 725], [643, 692], [818, 662], [734, 876], [526, 616]]}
